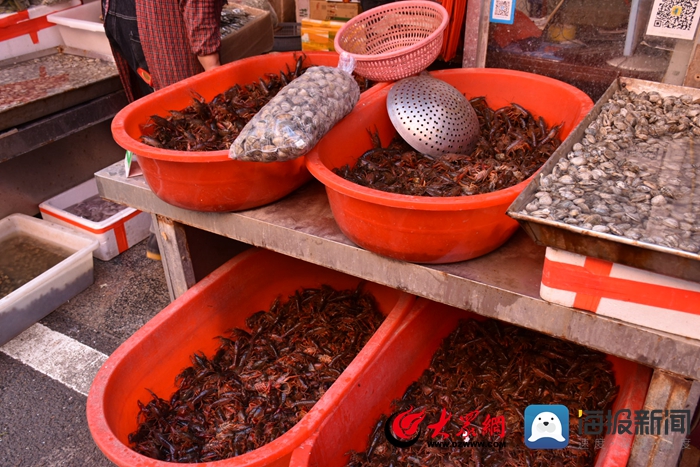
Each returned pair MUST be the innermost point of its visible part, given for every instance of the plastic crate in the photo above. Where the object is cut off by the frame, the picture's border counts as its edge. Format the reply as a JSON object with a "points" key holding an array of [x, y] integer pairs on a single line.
{"points": [[287, 37], [318, 35], [160, 350], [46, 292], [83, 31], [115, 234], [402, 361]]}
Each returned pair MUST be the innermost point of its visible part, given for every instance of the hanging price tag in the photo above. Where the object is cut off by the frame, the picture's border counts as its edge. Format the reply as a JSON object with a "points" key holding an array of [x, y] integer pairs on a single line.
{"points": [[502, 11]]}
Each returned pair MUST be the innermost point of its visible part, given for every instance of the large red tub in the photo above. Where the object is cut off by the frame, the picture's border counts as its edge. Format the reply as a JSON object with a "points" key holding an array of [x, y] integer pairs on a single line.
{"points": [[402, 361], [160, 350], [435, 230]]}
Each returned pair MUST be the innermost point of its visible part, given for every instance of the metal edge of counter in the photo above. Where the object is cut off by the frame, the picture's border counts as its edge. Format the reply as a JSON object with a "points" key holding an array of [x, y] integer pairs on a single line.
{"points": [[656, 349]]}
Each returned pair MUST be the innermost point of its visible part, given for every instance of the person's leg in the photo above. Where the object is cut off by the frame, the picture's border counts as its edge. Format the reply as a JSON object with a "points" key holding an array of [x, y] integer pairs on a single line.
{"points": [[122, 32]]}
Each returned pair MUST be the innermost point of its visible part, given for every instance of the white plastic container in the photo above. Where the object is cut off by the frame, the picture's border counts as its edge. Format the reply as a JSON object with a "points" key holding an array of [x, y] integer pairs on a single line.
{"points": [[629, 294], [34, 40], [46, 292], [83, 31], [115, 234]]}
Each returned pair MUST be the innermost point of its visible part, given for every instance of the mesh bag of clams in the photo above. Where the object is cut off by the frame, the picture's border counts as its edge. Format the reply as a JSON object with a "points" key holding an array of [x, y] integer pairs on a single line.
{"points": [[295, 119]]}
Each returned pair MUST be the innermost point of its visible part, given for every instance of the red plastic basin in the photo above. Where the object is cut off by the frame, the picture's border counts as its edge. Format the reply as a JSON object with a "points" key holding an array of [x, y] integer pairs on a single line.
{"points": [[210, 181], [403, 360], [161, 349], [434, 230]]}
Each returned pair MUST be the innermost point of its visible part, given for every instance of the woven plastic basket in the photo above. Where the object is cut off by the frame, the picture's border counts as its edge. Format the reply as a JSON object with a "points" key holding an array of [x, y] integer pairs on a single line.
{"points": [[394, 41]]}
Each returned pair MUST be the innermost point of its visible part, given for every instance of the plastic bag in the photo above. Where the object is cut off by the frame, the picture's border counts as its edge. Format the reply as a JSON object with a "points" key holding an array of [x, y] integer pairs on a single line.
{"points": [[295, 119]]}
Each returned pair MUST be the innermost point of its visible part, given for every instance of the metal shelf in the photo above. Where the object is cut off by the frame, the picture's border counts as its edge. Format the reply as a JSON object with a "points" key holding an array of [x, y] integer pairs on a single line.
{"points": [[502, 285]]}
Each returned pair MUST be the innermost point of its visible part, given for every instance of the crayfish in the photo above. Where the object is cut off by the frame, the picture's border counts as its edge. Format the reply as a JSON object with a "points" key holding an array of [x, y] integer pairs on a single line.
{"points": [[511, 147], [261, 380], [486, 372], [214, 125]]}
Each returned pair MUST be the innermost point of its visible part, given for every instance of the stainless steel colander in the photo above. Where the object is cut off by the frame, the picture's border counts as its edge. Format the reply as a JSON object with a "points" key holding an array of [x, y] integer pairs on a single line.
{"points": [[432, 116]]}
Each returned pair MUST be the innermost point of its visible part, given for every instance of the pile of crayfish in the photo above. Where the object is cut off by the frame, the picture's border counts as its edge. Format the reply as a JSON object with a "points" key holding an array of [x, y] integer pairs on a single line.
{"points": [[214, 125], [512, 146], [261, 381], [488, 371]]}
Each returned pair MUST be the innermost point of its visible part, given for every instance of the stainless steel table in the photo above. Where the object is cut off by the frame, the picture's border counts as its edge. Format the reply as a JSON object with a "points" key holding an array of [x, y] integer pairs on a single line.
{"points": [[502, 285]]}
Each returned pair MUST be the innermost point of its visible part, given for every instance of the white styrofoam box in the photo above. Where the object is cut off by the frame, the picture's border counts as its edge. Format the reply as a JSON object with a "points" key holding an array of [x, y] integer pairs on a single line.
{"points": [[82, 29], [48, 38], [115, 234], [622, 292], [46, 292]]}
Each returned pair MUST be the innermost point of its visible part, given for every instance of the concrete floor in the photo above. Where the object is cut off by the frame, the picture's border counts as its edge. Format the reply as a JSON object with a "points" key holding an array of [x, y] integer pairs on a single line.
{"points": [[43, 421]]}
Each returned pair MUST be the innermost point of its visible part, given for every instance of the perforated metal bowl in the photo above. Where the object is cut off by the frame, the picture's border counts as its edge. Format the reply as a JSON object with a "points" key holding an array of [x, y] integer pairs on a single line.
{"points": [[432, 116]]}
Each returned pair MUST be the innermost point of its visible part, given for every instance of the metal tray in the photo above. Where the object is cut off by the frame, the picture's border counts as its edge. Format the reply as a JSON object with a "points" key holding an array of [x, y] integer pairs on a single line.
{"points": [[66, 79], [655, 258]]}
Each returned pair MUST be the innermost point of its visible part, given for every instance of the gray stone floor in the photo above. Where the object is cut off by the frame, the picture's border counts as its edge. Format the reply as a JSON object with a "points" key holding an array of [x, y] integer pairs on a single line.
{"points": [[43, 422]]}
